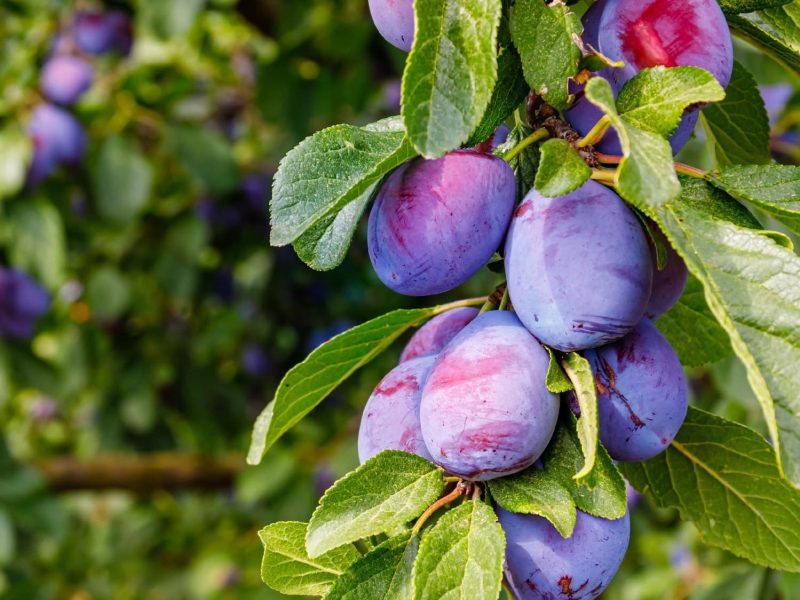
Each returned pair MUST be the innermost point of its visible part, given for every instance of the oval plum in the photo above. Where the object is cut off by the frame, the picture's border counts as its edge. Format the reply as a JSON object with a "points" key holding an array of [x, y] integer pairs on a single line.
{"points": [[394, 20], [432, 337], [65, 78], [668, 283]]}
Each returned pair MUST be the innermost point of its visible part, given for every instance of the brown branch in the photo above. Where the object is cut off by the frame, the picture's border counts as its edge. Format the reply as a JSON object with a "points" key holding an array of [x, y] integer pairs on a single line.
{"points": [[541, 114]]}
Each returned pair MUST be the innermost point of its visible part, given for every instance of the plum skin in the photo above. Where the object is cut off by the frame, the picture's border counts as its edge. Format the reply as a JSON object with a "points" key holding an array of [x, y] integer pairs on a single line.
{"points": [[485, 410], [435, 223], [65, 78], [394, 20], [642, 393], [58, 138], [99, 32], [542, 564], [22, 303], [432, 337], [669, 282], [579, 269], [391, 417]]}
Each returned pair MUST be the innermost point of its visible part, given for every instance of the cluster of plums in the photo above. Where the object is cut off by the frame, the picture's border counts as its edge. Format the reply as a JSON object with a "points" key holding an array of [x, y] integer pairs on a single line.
{"points": [[469, 392], [58, 137]]}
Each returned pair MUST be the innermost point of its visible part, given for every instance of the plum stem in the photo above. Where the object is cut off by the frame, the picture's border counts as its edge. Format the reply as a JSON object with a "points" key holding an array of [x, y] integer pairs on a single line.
{"points": [[609, 159], [607, 176], [504, 301], [537, 136], [595, 134], [690, 170], [462, 488]]}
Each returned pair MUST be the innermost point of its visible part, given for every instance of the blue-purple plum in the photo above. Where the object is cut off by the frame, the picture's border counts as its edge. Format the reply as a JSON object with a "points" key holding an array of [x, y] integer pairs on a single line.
{"points": [[432, 337], [485, 410], [255, 362], [579, 268], [22, 303], [58, 138], [669, 282], [394, 20], [540, 564], [437, 222], [490, 144], [98, 32], [391, 419], [776, 97], [64, 79], [642, 394]]}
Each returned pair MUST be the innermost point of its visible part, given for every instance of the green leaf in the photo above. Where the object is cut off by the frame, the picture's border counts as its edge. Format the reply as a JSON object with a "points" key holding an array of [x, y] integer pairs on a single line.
{"points": [[646, 177], [36, 242], [287, 567], [752, 29], [122, 179], [384, 493], [723, 477], [168, 19], [206, 156], [775, 189], [526, 163], [556, 380], [561, 169], [752, 285], [310, 382], [655, 99], [692, 329], [553, 492], [785, 21], [16, 150], [108, 293], [383, 574], [580, 374], [545, 37], [327, 171], [450, 73], [461, 557], [735, 7], [737, 127], [8, 539]]}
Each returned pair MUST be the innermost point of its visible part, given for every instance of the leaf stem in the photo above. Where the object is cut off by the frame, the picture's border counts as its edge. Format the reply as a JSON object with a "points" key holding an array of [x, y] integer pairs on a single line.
{"points": [[488, 305], [462, 488], [596, 133], [607, 176], [504, 301], [689, 170], [609, 159], [442, 308], [537, 136]]}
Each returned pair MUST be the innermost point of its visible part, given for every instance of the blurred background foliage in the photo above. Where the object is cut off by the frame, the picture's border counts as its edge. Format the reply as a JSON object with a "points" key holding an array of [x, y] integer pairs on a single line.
{"points": [[170, 320]]}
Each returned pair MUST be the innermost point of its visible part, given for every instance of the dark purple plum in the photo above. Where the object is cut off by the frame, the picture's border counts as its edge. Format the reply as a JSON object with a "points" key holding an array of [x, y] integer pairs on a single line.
{"points": [[591, 23], [391, 419], [255, 362], [394, 20], [642, 393], [579, 268], [542, 564], [64, 79], [438, 332], [57, 137], [437, 222], [485, 410], [669, 282], [22, 303], [98, 32], [491, 143]]}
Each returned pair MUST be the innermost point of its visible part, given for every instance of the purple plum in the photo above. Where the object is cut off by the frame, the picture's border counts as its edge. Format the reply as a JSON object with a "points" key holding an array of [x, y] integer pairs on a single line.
{"points": [[542, 564], [776, 97], [435, 223], [22, 303], [58, 138], [100, 32], [394, 20], [391, 419], [669, 282], [642, 393], [485, 410], [437, 333], [64, 79], [579, 268], [491, 143]]}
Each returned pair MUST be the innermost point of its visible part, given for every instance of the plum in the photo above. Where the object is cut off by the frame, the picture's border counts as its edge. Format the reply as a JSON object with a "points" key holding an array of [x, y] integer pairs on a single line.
{"points": [[485, 410], [58, 138], [99, 32], [542, 564], [436, 222], [669, 282], [22, 303], [437, 333], [579, 268], [391, 419], [490, 144], [394, 20], [65, 78], [642, 393]]}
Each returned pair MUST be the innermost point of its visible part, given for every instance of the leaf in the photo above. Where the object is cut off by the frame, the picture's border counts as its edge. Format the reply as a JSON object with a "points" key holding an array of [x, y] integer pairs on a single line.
{"points": [[785, 21], [556, 381], [735, 7], [692, 329], [758, 33], [329, 170], [553, 492], [206, 156], [122, 180], [561, 169], [655, 99], [36, 241], [752, 285], [723, 477], [450, 73], [738, 127], [580, 374], [545, 37], [384, 493], [16, 150], [775, 189], [526, 163], [309, 383], [287, 568], [461, 557], [645, 177], [383, 574], [169, 19]]}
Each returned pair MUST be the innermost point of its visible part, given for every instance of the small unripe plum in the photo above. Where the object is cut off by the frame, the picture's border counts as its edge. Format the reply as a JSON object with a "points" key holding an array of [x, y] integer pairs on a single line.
{"points": [[394, 19], [642, 394], [22, 303], [432, 337], [542, 564], [65, 78], [437, 222], [100, 32], [391, 419], [58, 138], [579, 268], [668, 283], [485, 410]]}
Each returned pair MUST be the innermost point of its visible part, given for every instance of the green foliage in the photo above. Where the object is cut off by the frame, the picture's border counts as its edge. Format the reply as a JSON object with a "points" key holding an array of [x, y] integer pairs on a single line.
{"points": [[122, 181], [580, 374], [561, 169]]}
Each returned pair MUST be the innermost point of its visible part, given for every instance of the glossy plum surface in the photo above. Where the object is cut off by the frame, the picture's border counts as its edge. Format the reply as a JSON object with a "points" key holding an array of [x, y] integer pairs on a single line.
{"points": [[391, 416], [65, 78], [394, 19], [579, 268], [485, 410], [432, 337], [58, 138], [668, 283], [436, 222], [540, 564], [642, 393]]}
